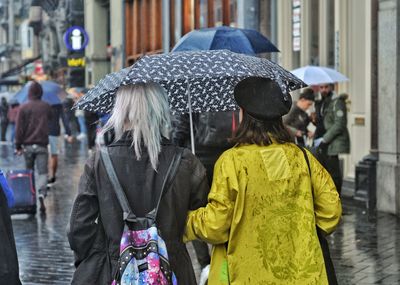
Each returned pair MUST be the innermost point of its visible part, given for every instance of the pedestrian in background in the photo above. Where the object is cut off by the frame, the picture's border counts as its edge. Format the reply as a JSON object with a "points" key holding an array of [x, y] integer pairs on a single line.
{"points": [[9, 269], [67, 104], [91, 120], [297, 120], [332, 135], [54, 139], [12, 117], [3, 118], [140, 154], [32, 137], [263, 209]]}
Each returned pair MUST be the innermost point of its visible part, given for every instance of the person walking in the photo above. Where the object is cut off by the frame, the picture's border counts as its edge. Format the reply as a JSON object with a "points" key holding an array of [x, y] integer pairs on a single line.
{"points": [[332, 135], [91, 121], [264, 207], [140, 154], [297, 120], [32, 137], [12, 117], [9, 269], [3, 118], [54, 139]]}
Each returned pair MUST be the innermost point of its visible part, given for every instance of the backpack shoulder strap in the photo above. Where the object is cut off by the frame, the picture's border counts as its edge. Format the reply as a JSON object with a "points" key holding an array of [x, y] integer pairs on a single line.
{"points": [[173, 167], [123, 201], [308, 165], [306, 158]]}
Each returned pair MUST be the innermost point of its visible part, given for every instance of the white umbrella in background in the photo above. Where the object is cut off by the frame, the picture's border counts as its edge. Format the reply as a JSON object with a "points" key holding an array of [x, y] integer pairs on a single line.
{"points": [[315, 75]]}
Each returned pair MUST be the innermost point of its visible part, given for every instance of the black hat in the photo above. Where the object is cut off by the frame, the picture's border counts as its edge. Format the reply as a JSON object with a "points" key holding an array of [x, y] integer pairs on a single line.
{"points": [[262, 98], [307, 94]]}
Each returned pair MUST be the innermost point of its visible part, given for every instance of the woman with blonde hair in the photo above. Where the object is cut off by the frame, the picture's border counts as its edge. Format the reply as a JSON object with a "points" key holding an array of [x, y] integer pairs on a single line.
{"points": [[265, 205], [140, 155]]}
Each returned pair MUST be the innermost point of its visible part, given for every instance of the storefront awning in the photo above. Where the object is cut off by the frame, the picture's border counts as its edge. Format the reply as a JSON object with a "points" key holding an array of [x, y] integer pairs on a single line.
{"points": [[18, 69]]}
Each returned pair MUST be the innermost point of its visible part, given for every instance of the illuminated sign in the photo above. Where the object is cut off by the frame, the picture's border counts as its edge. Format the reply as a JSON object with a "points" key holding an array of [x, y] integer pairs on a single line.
{"points": [[76, 38], [76, 62]]}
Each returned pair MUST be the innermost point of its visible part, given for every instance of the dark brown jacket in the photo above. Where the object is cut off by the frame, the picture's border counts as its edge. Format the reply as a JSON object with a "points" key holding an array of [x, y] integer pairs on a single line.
{"points": [[32, 126], [96, 245]]}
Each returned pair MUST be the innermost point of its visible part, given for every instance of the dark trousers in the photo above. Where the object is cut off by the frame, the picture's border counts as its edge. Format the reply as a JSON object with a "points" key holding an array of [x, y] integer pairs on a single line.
{"points": [[3, 130], [333, 167], [331, 164], [91, 135], [36, 158]]}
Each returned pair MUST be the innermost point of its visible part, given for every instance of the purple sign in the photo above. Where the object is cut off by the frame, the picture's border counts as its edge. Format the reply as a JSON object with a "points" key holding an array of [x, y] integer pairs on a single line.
{"points": [[76, 38]]}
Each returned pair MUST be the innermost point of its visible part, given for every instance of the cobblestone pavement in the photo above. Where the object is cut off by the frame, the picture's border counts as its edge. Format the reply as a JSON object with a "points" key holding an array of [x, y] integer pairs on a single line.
{"points": [[363, 252]]}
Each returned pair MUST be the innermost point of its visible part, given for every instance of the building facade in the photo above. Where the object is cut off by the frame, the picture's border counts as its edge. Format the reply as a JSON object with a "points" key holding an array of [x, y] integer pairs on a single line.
{"points": [[358, 38]]}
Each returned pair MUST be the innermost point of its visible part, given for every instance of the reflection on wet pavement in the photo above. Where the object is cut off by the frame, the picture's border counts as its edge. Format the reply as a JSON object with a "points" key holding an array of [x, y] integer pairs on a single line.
{"points": [[363, 252]]}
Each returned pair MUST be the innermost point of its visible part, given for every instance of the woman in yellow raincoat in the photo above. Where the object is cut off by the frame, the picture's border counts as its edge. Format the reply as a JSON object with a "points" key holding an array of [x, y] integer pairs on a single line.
{"points": [[264, 206]]}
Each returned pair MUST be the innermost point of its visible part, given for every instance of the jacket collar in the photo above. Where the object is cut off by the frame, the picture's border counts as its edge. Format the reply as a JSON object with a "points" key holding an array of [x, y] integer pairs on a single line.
{"points": [[126, 140]]}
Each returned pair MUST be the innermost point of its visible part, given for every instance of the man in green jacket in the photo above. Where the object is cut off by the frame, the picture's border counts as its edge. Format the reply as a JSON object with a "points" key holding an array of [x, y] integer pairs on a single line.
{"points": [[332, 134]]}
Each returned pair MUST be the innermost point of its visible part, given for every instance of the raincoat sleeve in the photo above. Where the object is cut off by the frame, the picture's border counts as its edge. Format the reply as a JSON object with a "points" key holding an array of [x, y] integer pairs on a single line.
{"points": [[212, 223], [327, 204], [340, 120], [82, 227]]}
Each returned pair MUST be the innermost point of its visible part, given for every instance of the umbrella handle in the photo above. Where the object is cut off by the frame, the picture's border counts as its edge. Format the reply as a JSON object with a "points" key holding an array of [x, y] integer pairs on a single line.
{"points": [[190, 117]]}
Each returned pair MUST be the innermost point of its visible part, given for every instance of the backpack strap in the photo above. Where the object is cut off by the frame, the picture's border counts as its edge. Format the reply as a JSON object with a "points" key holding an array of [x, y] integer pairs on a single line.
{"points": [[173, 167], [128, 214], [123, 201]]}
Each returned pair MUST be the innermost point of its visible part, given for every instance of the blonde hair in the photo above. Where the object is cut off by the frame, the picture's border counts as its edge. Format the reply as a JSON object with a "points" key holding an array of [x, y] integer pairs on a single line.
{"points": [[142, 109]]}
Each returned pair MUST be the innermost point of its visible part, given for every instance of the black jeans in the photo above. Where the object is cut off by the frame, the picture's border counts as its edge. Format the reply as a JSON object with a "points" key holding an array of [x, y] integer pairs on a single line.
{"points": [[331, 164], [4, 125]]}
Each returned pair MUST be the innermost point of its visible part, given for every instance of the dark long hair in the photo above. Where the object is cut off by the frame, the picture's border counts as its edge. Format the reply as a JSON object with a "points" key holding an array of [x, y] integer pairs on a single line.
{"points": [[260, 132]]}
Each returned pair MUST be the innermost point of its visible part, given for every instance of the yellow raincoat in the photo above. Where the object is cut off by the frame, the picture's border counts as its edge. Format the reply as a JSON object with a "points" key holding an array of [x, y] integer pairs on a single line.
{"points": [[261, 216]]}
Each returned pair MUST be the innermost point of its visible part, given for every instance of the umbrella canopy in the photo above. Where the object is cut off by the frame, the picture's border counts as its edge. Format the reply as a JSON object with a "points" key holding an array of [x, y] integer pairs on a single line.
{"points": [[244, 41], [315, 75], [53, 93], [208, 76]]}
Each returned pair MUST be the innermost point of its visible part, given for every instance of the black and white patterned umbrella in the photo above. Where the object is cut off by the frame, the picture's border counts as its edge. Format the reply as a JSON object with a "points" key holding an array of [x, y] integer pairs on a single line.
{"points": [[110, 82], [208, 76]]}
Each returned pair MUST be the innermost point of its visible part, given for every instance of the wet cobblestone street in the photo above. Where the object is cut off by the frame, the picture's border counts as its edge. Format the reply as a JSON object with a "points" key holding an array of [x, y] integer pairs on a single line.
{"points": [[363, 252]]}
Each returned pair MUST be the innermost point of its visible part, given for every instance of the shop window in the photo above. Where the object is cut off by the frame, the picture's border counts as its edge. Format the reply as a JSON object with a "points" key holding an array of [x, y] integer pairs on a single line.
{"points": [[203, 14], [143, 22]]}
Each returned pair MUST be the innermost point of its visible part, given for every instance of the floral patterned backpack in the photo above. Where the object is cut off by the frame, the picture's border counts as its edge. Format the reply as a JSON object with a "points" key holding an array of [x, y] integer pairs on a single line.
{"points": [[143, 256]]}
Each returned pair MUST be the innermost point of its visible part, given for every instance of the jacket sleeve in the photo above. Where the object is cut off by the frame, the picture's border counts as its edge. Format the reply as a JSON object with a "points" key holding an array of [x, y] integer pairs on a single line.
{"points": [[212, 223], [82, 227], [340, 120], [20, 129], [327, 204], [199, 182]]}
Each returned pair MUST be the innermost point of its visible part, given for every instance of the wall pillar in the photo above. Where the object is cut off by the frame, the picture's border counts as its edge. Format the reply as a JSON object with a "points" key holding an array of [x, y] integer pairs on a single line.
{"points": [[116, 26], [388, 168], [306, 32], [284, 27], [323, 32], [248, 14], [96, 25]]}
